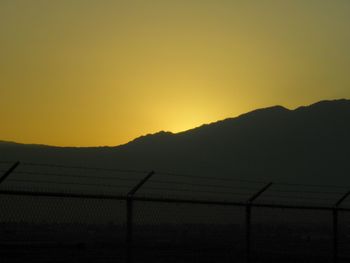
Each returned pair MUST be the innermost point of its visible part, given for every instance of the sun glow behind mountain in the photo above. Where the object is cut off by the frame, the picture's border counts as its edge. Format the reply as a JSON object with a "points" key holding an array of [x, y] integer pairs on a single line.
{"points": [[89, 73]]}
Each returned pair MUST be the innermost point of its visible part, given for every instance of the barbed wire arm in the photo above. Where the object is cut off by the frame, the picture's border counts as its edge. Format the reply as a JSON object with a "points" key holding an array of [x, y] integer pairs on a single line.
{"points": [[133, 191], [259, 193], [342, 199], [8, 172]]}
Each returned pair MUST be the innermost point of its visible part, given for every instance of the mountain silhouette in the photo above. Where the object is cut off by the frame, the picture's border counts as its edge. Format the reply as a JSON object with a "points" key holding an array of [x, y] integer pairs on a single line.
{"points": [[309, 144]]}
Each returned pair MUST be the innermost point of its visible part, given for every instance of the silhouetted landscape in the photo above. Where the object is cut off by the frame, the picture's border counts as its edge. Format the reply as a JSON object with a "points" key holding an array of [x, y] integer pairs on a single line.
{"points": [[174, 131], [308, 144], [196, 206]]}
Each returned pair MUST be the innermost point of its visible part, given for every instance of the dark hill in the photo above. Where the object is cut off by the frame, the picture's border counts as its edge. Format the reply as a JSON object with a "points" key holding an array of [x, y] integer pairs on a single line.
{"points": [[308, 144]]}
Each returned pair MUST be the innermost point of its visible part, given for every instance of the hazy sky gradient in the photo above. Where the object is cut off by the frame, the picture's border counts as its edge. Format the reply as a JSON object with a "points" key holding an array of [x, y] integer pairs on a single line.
{"points": [[84, 72]]}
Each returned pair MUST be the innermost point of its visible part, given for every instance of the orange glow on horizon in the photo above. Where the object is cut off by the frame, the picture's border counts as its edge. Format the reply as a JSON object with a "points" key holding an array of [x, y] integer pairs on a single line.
{"points": [[91, 73]]}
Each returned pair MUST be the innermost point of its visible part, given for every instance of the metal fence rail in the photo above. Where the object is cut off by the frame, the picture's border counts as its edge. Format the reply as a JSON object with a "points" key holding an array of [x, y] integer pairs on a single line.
{"points": [[143, 216]]}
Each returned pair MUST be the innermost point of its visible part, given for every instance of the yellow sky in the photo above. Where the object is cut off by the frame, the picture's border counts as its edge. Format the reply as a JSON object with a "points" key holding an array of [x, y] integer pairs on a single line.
{"points": [[100, 72]]}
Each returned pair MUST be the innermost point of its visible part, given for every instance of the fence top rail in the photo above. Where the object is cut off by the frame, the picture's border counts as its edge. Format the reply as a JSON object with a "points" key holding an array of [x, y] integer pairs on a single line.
{"points": [[168, 200], [63, 195], [240, 204]]}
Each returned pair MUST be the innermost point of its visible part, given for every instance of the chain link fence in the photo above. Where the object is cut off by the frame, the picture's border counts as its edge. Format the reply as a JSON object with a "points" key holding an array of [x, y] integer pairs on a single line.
{"points": [[52, 213]]}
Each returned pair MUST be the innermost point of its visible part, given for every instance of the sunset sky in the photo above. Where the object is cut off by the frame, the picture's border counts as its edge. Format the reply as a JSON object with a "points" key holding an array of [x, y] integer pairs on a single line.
{"points": [[100, 72]]}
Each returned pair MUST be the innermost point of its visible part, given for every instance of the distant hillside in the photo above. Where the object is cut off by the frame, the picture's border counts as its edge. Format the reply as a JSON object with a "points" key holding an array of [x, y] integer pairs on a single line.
{"points": [[308, 144]]}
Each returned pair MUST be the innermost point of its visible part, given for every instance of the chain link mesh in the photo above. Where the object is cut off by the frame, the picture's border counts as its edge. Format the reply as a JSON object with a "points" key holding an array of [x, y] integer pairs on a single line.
{"points": [[178, 232], [53, 213], [57, 229], [291, 235]]}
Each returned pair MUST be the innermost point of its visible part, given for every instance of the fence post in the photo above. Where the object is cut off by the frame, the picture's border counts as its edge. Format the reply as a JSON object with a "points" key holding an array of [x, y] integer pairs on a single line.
{"points": [[249, 219], [336, 226], [335, 235], [248, 229], [129, 217], [8, 172], [129, 229]]}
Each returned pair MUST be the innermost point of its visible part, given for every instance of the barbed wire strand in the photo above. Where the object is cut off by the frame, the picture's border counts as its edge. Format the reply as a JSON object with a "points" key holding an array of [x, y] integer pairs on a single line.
{"points": [[173, 174], [312, 185], [294, 197], [202, 185], [304, 192], [211, 178], [79, 176], [66, 183], [84, 168], [197, 191], [133, 180]]}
